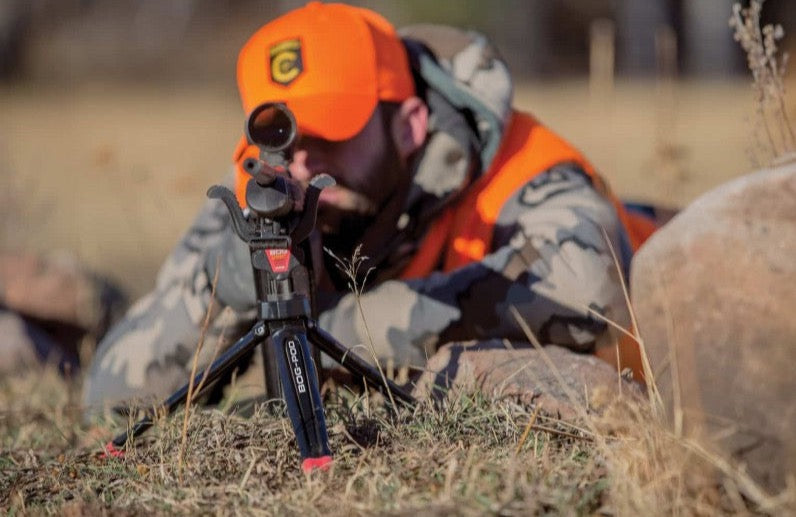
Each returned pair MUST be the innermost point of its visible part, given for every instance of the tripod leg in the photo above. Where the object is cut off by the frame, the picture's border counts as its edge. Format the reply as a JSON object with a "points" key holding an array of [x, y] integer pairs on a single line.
{"points": [[225, 361], [302, 397], [273, 387], [355, 364]]}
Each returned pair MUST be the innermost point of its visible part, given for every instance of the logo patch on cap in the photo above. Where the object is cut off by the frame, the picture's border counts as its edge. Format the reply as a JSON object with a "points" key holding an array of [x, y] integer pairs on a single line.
{"points": [[286, 62]]}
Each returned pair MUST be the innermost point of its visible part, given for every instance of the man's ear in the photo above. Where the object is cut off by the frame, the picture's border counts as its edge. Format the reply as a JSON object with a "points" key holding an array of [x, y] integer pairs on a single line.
{"points": [[410, 126]]}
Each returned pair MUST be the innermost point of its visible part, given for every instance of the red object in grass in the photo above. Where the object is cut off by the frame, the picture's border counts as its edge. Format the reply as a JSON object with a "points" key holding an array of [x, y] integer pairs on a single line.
{"points": [[321, 462], [112, 452]]}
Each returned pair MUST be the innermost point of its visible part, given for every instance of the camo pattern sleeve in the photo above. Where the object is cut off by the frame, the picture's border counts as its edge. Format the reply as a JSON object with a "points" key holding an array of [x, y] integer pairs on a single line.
{"points": [[149, 353], [550, 261]]}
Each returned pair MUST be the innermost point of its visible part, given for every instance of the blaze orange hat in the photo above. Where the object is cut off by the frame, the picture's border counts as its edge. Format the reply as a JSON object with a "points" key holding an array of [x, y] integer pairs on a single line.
{"points": [[330, 63]]}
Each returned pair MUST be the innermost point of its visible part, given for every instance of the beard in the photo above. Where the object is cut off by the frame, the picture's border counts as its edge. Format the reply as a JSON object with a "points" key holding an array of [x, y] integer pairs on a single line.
{"points": [[342, 244], [359, 220]]}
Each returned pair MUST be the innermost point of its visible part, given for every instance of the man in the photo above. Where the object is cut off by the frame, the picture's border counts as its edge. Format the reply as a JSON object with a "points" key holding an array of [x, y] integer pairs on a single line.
{"points": [[462, 205]]}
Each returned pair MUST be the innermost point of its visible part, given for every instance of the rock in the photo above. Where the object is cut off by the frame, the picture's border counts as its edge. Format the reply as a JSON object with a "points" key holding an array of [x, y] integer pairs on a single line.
{"points": [[57, 289], [715, 295], [521, 373], [25, 345], [49, 305], [16, 347]]}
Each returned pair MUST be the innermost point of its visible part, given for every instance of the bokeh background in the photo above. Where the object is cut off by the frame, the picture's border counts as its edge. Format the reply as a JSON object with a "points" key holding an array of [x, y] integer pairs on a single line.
{"points": [[116, 115]]}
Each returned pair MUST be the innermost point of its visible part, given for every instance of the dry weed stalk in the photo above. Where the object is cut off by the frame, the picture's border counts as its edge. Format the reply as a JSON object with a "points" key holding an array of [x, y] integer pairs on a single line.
{"points": [[356, 284], [768, 72], [190, 396]]}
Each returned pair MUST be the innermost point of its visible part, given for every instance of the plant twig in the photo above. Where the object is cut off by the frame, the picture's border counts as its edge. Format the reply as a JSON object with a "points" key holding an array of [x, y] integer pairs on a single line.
{"points": [[357, 287], [189, 397], [553, 368], [527, 429], [768, 73], [655, 397]]}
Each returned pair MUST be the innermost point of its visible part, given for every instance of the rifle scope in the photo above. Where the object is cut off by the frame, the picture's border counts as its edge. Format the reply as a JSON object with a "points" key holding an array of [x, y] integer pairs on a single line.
{"points": [[271, 126]]}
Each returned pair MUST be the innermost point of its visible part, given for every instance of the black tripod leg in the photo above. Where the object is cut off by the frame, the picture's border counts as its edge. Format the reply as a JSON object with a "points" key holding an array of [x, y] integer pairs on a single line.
{"points": [[356, 364], [273, 388], [302, 397], [225, 361]]}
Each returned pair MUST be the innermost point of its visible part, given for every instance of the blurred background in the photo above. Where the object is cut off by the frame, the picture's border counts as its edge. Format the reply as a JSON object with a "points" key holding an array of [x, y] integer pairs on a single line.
{"points": [[116, 115]]}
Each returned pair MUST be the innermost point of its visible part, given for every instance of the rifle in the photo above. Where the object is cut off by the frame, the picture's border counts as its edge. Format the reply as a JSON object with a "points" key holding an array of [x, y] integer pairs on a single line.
{"points": [[277, 235]]}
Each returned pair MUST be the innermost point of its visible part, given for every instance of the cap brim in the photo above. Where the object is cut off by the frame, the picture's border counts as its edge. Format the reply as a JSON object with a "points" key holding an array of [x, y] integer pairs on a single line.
{"points": [[332, 116]]}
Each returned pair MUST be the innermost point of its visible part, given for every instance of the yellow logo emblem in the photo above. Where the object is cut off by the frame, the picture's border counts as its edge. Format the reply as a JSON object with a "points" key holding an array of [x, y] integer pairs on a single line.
{"points": [[286, 63]]}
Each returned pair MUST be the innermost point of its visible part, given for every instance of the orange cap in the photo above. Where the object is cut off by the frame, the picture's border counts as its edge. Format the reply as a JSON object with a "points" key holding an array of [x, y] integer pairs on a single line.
{"points": [[330, 63]]}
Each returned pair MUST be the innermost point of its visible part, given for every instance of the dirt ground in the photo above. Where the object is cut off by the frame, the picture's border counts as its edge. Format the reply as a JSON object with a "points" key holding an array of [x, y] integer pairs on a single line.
{"points": [[113, 173]]}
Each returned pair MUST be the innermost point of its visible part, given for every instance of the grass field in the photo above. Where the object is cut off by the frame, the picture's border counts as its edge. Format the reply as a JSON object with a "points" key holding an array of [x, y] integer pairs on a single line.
{"points": [[114, 173], [474, 455]]}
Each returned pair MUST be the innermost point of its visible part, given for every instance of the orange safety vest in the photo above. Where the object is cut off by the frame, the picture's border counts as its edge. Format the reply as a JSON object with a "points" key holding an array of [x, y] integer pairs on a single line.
{"points": [[463, 233]]}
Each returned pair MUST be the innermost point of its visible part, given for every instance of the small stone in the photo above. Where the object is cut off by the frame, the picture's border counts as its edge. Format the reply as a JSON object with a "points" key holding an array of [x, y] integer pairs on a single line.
{"points": [[523, 373]]}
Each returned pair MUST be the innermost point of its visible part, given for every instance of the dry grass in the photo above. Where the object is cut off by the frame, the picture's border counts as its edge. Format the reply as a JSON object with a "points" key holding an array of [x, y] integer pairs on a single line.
{"points": [[470, 456], [773, 135], [458, 459]]}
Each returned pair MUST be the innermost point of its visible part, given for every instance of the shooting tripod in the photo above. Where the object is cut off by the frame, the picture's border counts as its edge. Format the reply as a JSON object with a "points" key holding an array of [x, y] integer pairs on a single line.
{"points": [[277, 237]]}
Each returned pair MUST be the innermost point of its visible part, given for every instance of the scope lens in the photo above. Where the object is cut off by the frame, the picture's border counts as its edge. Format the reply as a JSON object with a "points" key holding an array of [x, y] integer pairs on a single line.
{"points": [[271, 126]]}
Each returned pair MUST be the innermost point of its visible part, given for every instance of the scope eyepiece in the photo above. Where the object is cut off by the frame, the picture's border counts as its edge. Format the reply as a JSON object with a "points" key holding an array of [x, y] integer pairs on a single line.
{"points": [[271, 126]]}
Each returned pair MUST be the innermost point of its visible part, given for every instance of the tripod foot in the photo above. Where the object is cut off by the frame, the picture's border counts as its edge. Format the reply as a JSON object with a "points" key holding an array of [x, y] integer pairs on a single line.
{"points": [[321, 463], [111, 451]]}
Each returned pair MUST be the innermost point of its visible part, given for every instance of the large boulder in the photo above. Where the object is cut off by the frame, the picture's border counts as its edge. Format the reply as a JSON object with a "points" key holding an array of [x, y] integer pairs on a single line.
{"points": [[524, 373], [715, 295]]}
